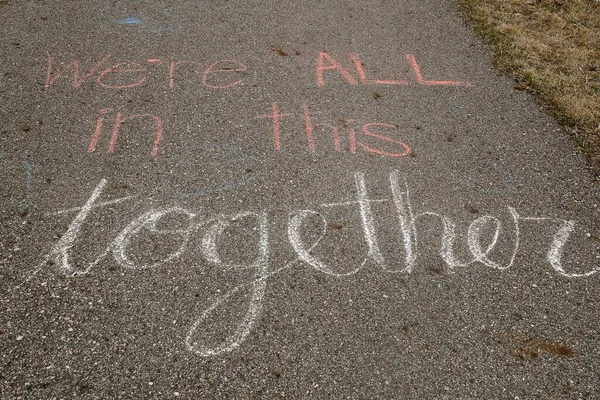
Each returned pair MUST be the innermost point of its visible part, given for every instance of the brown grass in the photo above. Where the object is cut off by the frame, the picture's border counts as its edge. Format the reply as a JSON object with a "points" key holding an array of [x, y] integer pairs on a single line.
{"points": [[552, 47]]}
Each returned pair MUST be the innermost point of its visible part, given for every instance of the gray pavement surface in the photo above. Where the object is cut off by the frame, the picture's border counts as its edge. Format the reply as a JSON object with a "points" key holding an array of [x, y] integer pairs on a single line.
{"points": [[267, 199]]}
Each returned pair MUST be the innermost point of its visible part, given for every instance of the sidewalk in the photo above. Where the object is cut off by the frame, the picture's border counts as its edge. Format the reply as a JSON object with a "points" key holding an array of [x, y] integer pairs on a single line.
{"points": [[313, 200]]}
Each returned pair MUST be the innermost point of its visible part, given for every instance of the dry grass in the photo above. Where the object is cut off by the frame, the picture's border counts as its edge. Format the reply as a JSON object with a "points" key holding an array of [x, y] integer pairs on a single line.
{"points": [[552, 47]]}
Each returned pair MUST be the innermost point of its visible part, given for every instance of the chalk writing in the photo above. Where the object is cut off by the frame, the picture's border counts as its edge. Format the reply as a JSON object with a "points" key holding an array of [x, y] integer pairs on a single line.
{"points": [[131, 21], [220, 74], [417, 70], [212, 227], [360, 69], [74, 68], [226, 74], [276, 116], [149, 16], [119, 120], [310, 128], [326, 62]]}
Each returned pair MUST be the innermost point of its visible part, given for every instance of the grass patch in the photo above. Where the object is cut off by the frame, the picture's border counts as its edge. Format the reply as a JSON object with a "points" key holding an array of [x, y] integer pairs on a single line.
{"points": [[552, 47]]}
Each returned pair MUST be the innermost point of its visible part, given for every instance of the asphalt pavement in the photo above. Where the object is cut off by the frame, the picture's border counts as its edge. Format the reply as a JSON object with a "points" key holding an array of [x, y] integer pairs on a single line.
{"points": [[271, 199]]}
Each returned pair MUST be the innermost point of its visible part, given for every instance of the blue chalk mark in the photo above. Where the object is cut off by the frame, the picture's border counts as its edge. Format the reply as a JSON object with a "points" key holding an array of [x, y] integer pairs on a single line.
{"points": [[495, 166], [161, 29], [131, 21]]}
